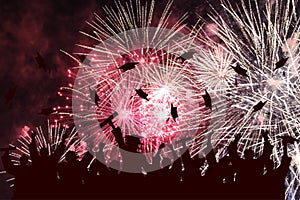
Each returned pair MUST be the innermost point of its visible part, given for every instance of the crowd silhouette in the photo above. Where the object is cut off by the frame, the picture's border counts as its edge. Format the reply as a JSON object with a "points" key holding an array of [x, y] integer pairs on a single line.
{"points": [[231, 177]]}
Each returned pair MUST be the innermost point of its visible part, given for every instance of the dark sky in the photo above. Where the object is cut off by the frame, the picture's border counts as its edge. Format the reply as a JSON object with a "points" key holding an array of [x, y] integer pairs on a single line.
{"points": [[45, 26], [48, 26]]}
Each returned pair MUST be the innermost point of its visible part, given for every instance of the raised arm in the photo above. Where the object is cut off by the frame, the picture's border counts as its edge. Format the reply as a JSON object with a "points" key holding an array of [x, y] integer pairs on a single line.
{"points": [[156, 157], [232, 148], [286, 160], [268, 148], [33, 149], [101, 162], [119, 138], [174, 153], [176, 165], [7, 163], [210, 154], [59, 151]]}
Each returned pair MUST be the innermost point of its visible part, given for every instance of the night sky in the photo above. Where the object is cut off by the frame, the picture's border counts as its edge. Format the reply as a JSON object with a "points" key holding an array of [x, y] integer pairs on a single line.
{"points": [[46, 27]]}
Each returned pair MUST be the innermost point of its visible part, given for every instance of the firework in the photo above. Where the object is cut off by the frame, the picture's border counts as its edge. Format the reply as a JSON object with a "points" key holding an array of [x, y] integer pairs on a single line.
{"points": [[260, 38], [129, 34], [50, 139]]}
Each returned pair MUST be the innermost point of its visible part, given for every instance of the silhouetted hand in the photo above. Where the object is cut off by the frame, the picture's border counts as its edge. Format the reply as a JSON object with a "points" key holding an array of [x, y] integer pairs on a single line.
{"points": [[170, 145], [288, 140], [33, 135], [209, 144], [6, 153], [161, 146], [101, 146], [265, 135], [237, 137], [118, 136], [117, 131], [209, 135], [184, 141], [64, 137]]}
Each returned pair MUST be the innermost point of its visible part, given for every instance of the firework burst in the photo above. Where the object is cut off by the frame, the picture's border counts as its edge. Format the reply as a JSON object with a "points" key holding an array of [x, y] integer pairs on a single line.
{"points": [[264, 41], [50, 139], [126, 36]]}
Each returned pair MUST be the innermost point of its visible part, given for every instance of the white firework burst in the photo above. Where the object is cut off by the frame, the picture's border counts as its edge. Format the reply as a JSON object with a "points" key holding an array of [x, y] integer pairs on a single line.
{"points": [[259, 38], [50, 138]]}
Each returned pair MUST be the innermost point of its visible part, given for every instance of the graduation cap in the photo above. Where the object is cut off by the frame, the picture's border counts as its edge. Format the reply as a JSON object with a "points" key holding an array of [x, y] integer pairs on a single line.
{"points": [[174, 112], [40, 61], [258, 106], [46, 111], [128, 66], [239, 70], [142, 94], [235, 82], [288, 139], [187, 55], [10, 94], [281, 63], [84, 60], [42, 64], [133, 139], [7, 149], [71, 155], [94, 96], [207, 100], [109, 120]]}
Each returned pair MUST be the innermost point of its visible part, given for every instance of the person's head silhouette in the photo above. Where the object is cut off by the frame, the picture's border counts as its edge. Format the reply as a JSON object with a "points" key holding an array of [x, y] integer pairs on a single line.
{"points": [[224, 161], [71, 157], [23, 160], [133, 142], [44, 152], [249, 154]]}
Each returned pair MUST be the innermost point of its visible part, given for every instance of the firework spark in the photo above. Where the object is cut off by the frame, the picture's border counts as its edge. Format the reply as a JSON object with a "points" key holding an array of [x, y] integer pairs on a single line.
{"points": [[50, 139], [127, 35], [258, 37]]}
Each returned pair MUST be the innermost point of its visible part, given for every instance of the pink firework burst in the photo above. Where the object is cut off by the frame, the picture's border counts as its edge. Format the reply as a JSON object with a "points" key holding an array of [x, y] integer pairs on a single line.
{"points": [[137, 98], [167, 82]]}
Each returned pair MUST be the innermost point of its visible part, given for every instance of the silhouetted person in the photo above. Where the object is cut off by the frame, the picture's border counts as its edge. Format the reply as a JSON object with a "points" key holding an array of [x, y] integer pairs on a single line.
{"points": [[101, 179], [95, 176], [156, 160], [132, 159], [170, 178], [219, 175], [22, 174], [159, 179], [45, 167], [249, 171], [99, 165], [176, 170], [276, 178], [71, 175], [189, 170]]}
